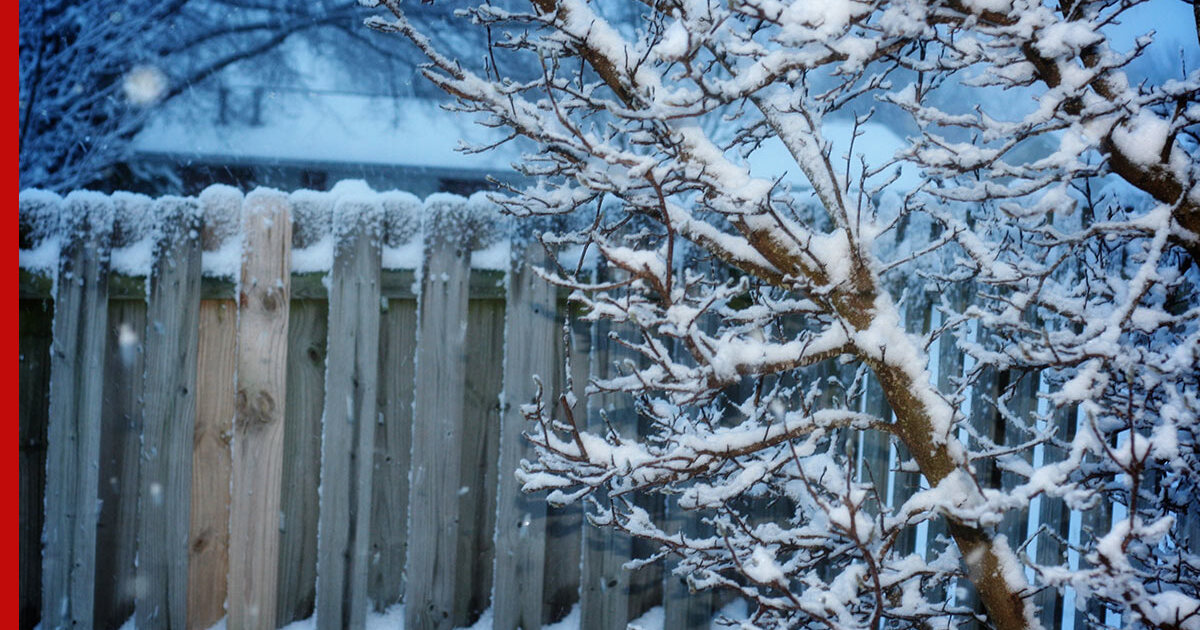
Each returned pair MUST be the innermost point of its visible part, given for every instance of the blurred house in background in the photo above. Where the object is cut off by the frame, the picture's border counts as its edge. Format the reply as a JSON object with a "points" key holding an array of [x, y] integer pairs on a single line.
{"points": [[293, 136]]}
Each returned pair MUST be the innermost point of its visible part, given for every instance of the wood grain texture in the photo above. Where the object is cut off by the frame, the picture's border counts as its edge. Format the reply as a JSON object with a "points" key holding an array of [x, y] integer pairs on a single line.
{"points": [[393, 453], [480, 450], [263, 303], [168, 418], [308, 333], [120, 450], [348, 436], [76, 400], [531, 329], [437, 437], [564, 525], [216, 395], [604, 583], [33, 410]]}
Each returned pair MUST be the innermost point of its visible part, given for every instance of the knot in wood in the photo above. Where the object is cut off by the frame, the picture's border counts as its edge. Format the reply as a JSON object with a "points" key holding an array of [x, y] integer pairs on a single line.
{"points": [[256, 409]]}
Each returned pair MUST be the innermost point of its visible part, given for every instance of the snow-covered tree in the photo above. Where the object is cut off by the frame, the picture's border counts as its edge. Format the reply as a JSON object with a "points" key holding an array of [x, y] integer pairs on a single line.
{"points": [[1017, 324], [92, 72]]}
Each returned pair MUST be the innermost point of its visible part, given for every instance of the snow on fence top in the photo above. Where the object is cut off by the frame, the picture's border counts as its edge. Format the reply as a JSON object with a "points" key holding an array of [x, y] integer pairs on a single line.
{"points": [[404, 223]]}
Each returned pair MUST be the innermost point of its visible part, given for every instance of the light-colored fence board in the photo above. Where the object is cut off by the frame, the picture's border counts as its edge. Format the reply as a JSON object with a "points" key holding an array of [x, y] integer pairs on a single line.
{"points": [[120, 446], [168, 419], [434, 519], [308, 334], [208, 564], [521, 519], [348, 435], [393, 453], [76, 400], [258, 425]]}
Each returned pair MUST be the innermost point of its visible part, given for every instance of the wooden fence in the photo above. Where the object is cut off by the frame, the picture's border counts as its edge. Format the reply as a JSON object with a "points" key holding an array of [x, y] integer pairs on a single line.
{"points": [[196, 447], [211, 429]]}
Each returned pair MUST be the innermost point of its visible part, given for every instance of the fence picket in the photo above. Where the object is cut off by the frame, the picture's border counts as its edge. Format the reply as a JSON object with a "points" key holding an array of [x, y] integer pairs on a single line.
{"points": [[308, 334], [531, 328], [1054, 516], [564, 525], [263, 305], [604, 588], [76, 400], [433, 522], [480, 452], [216, 398], [683, 609], [393, 453], [120, 446], [208, 564], [348, 434], [168, 417]]}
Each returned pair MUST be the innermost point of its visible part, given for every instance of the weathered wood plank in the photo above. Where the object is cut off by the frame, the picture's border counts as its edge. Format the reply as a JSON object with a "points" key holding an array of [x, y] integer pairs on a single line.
{"points": [[121, 431], [348, 436], [308, 335], [76, 400], [216, 395], [604, 583], [564, 525], [434, 519], [169, 416], [393, 453], [530, 328], [33, 409], [216, 398], [120, 449], [480, 446], [263, 304]]}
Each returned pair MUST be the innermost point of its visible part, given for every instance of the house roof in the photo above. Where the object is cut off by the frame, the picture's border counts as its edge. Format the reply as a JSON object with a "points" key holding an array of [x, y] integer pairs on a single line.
{"points": [[309, 126]]}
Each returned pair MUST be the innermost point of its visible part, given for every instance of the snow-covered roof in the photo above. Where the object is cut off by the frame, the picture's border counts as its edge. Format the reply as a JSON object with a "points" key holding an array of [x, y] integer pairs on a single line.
{"points": [[301, 126]]}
